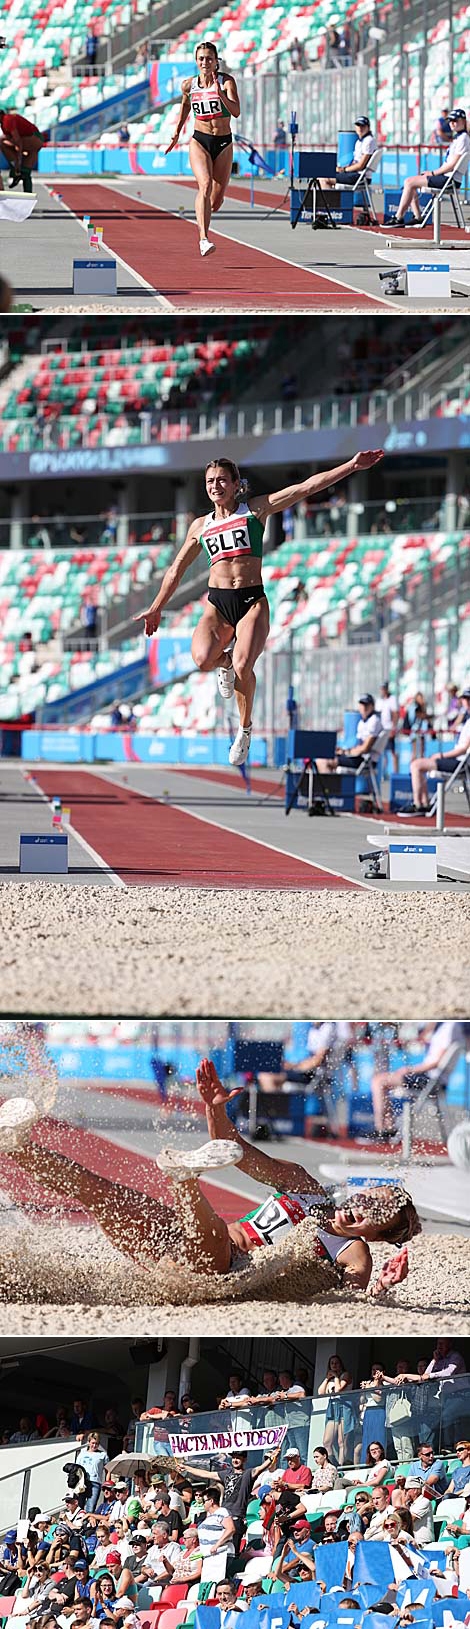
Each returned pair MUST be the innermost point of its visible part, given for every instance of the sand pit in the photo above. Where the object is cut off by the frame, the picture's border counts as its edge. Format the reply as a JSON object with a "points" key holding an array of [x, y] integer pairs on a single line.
{"points": [[74, 1282], [163, 951]]}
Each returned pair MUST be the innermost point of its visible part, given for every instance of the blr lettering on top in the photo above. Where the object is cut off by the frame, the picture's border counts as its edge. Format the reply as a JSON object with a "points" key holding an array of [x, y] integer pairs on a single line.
{"points": [[207, 104], [228, 538]]}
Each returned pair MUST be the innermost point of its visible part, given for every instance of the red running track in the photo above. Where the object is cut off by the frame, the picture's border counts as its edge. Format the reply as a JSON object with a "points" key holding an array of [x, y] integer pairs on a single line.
{"points": [[173, 847], [163, 249], [105, 1159]]}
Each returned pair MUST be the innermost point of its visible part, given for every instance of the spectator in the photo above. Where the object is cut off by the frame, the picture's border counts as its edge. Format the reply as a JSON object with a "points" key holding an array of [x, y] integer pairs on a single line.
{"points": [[356, 1519], [137, 1410], [443, 762], [280, 134], [25, 1432], [381, 1504], [81, 1420], [325, 1475], [124, 135], [431, 1471], [229, 1606], [296, 1474], [234, 1484], [341, 1416], [378, 1466], [94, 1459], [217, 1530], [420, 1509], [91, 50], [162, 1411], [368, 728], [188, 1567], [292, 1551], [460, 1477], [442, 130], [296, 53], [373, 1410], [237, 1394]]}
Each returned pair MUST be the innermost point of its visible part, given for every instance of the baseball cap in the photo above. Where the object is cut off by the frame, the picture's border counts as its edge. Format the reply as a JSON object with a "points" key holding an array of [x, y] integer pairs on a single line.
{"points": [[362, 120], [138, 1538], [80, 1565], [413, 1482], [10, 1536], [367, 700], [120, 1485], [301, 1527], [112, 1555], [134, 1508], [291, 1451], [457, 113], [69, 1497], [466, 693]]}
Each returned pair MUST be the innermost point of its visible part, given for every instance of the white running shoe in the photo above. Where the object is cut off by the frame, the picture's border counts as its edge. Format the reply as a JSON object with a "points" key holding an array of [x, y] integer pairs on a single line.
{"points": [[206, 248], [226, 681], [240, 746], [17, 1118], [178, 1164]]}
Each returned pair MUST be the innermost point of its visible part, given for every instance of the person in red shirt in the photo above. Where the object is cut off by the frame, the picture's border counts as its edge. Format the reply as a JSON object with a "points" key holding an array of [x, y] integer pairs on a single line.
{"points": [[297, 1475], [20, 142]]}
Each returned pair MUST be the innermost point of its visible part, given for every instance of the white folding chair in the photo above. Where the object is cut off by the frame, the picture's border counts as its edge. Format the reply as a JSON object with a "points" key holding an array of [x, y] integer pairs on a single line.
{"points": [[363, 183], [367, 765], [457, 777], [448, 190]]}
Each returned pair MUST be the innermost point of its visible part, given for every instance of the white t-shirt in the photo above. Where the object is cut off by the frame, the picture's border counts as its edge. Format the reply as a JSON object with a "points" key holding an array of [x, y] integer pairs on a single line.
{"points": [[463, 738], [365, 146], [388, 706], [236, 1396], [155, 1557], [421, 1513], [444, 1037], [210, 1531], [323, 1036], [368, 726], [459, 149]]}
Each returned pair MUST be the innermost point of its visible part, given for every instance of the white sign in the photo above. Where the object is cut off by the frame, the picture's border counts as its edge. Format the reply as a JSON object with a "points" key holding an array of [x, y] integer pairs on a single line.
{"points": [[94, 277], [185, 1444], [413, 862], [43, 854], [429, 281]]}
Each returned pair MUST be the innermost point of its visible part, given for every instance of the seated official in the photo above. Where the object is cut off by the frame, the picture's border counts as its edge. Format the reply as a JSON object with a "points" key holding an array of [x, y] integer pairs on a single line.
{"points": [[440, 763], [365, 146], [369, 727], [432, 180]]}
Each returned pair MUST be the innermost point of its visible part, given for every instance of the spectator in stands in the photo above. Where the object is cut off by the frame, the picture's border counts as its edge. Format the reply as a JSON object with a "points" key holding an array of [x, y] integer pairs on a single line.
{"points": [[91, 50], [137, 1409], [444, 762], [417, 721], [25, 1432], [187, 1569], [341, 1413], [420, 1509], [442, 130], [296, 1474], [226, 1596], [431, 1471], [460, 1478], [454, 706], [381, 1504], [378, 1466], [292, 1551], [237, 1395], [297, 54], [162, 1411], [142, 54], [81, 1417], [94, 1459], [345, 47], [332, 46], [325, 1475], [124, 135], [389, 718], [234, 1483], [372, 1409], [217, 1530], [441, 1039], [457, 158], [356, 1518]]}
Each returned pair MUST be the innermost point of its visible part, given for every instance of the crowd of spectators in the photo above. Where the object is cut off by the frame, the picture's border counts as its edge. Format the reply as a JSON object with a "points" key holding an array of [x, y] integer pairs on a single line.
{"points": [[180, 1533]]}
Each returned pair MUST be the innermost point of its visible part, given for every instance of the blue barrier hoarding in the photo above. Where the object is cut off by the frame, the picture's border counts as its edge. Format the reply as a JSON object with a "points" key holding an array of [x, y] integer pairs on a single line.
{"points": [[77, 160], [60, 746]]}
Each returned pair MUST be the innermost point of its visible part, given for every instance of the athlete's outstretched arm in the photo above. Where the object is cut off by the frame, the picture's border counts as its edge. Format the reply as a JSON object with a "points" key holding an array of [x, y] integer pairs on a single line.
{"points": [[186, 554], [276, 1173], [274, 502]]}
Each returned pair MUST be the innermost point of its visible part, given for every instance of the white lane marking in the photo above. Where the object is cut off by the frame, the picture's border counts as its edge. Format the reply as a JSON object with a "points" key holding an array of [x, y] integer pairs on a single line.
{"points": [[112, 876], [165, 305]]}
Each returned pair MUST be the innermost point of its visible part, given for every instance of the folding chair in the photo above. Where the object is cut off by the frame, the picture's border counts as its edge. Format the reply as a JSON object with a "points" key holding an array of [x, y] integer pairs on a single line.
{"points": [[363, 184], [418, 1096], [368, 764], [458, 777], [450, 191]]}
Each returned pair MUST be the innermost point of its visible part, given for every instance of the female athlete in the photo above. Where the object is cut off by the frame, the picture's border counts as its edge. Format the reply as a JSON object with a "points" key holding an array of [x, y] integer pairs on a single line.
{"points": [[146, 1229], [234, 626], [213, 101]]}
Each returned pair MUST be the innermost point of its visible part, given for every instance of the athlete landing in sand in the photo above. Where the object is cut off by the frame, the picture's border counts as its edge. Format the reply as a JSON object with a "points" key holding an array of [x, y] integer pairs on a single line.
{"points": [[146, 1229], [234, 626]]}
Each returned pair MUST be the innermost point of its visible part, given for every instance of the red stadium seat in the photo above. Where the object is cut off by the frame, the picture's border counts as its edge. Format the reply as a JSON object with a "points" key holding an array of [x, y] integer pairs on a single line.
{"points": [[173, 1593]]}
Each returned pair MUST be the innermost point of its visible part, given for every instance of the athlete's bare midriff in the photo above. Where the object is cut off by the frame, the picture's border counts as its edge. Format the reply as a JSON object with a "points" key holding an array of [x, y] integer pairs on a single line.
{"points": [[212, 127], [245, 574]]}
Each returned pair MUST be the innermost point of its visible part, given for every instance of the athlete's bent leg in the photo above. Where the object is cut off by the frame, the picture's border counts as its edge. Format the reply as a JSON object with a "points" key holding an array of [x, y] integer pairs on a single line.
{"points": [[222, 171], [201, 166], [210, 640], [251, 636], [139, 1226], [206, 1235]]}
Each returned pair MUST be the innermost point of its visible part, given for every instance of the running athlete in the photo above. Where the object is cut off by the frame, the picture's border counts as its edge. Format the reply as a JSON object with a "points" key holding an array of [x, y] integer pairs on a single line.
{"points": [[146, 1229], [213, 101], [20, 142], [234, 626]]}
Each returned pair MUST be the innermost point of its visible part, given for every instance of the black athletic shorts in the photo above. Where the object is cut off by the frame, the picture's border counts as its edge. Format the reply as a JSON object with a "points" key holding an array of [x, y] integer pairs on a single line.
{"points": [[347, 178], [446, 766], [435, 182], [233, 603], [347, 761], [213, 145]]}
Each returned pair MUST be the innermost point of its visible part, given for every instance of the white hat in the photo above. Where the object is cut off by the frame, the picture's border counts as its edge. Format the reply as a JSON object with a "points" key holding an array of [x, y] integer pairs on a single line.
{"points": [[291, 1451]]}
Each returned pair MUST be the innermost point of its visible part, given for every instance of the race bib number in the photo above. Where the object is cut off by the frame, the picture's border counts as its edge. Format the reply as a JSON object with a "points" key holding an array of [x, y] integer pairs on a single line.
{"points": [[206, 107], [276, 1218], [230, 539]]}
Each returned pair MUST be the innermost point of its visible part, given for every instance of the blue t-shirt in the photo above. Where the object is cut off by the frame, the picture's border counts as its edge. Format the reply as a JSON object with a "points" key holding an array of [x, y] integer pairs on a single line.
{"points": [[437, 1469], [461, 1478]]}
